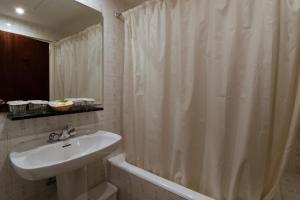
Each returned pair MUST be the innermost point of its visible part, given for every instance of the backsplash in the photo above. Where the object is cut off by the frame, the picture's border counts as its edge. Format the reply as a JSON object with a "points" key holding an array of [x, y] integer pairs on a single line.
{"points": [[13, 187]]}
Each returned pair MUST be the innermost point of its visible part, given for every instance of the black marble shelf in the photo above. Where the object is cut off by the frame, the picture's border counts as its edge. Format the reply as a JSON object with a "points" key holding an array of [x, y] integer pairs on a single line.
{"points": [[50, 112]]}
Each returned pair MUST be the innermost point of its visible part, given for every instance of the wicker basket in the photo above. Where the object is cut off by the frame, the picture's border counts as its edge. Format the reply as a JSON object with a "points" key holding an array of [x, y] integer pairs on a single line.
{"points": [[61, 106]]}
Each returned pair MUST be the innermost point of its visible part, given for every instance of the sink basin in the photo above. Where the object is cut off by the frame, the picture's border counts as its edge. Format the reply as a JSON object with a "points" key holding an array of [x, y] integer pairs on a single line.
{"points": [[57, 158]]}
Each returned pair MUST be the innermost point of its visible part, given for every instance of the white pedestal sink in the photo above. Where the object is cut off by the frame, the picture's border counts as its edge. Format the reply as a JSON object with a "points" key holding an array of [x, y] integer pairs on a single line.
{"points": [[66, 160]]}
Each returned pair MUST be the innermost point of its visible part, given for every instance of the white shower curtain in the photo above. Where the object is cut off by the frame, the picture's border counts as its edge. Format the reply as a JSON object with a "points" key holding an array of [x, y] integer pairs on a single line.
{"points": [[76, 65], [212, 92]]}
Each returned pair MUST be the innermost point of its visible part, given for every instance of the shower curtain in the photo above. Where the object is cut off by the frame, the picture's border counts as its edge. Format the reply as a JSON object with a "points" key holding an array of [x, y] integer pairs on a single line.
{"points": [[212, 92], [76, 65]]}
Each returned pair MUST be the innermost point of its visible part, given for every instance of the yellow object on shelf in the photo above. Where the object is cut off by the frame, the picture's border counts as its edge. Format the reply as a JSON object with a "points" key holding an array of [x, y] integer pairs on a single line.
{"points": [[61, 105]]}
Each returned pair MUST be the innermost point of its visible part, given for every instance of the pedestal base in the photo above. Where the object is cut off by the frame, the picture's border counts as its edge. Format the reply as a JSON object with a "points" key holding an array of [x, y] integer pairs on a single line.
{"points": [[74, 186]]}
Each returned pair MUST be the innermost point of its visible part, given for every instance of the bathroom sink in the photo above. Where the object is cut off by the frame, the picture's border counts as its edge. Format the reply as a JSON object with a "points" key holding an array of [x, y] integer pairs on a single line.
{"points": [[61, 157]]}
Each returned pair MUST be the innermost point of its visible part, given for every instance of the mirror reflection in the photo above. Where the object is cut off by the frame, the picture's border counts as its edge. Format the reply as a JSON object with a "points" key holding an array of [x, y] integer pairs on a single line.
{"points": [[50, 50]]}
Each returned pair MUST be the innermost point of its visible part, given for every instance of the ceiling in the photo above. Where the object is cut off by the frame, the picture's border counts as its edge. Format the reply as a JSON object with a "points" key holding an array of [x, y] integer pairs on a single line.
{"points": [[62, 15]]}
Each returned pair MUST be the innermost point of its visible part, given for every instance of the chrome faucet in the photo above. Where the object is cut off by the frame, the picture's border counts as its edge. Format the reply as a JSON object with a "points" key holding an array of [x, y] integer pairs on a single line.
{"points": [[67, 132]]}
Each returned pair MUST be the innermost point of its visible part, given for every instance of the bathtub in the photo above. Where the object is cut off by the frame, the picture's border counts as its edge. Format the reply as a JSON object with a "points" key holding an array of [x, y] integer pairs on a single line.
{"points": [[183, 192]]}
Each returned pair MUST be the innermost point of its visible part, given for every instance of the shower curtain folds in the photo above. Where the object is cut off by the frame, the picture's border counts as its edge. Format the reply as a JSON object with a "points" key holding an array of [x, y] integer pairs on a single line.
{"points": [[212, 92]]}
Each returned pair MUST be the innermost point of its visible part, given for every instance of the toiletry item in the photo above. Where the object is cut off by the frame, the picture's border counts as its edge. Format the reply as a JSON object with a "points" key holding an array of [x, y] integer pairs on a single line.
{"points": [[17, 107], [61, 105], [37, 105], [82, 102], [88, 102], [2, 102], [78, 102]]}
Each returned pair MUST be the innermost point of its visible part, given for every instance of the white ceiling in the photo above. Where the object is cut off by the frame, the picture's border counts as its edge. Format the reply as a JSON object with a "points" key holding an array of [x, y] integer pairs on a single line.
{"points": [[63, 15]]}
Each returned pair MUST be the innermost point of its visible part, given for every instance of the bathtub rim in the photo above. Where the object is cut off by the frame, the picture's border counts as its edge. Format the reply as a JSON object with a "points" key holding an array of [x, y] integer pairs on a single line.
{"points": [[120, 162]]}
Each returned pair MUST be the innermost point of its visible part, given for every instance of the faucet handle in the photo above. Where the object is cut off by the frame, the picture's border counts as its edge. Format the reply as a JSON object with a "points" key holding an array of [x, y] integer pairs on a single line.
{"points": [[73, 132], [53, 137], [69, 128]]}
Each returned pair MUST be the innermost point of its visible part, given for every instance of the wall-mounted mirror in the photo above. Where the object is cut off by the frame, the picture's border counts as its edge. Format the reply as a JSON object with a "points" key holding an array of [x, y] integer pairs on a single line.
{"points": [[50, 49]]}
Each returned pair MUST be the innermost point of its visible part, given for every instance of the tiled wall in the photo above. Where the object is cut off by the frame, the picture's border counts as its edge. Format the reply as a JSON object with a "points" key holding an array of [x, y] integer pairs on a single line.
{"points": [[12, 187]]}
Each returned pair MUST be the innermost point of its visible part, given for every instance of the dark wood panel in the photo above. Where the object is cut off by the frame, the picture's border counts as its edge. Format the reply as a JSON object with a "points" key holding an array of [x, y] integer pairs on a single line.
{"points": [[24, 68]]}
